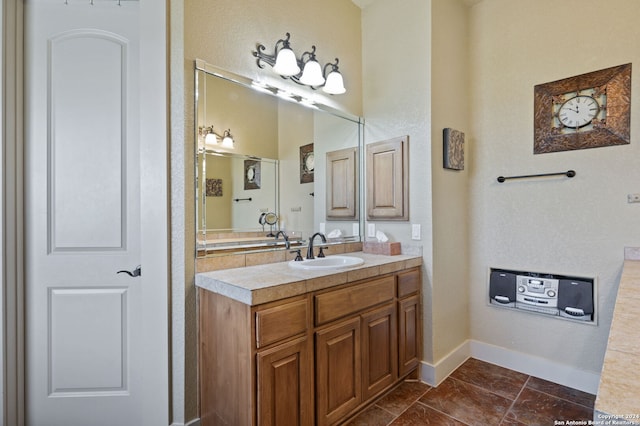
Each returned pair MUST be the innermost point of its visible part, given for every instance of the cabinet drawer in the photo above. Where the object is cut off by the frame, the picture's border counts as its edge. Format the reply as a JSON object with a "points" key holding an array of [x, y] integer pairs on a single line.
{"points": [[408, 283], [339, 303], [280, 322]]}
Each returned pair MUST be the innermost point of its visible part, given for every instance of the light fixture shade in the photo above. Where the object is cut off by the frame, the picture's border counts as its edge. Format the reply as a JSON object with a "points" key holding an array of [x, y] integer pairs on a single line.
{"points": [[312, 74], [286, 63], [210, 139], [334, 84], [227, 140]]}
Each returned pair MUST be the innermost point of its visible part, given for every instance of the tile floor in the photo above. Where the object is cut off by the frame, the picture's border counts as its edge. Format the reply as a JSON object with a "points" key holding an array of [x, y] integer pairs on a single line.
{"points": [[483, 394]]}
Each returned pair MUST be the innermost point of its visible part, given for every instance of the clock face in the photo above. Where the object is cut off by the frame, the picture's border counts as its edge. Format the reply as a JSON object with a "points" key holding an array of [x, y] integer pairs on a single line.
{"points": [[251, 174], [309, 161], [578, 111]]}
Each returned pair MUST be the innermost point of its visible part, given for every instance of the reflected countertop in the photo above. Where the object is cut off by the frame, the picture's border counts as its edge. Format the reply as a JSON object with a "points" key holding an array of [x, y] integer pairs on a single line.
{"points": [[255, 285]]}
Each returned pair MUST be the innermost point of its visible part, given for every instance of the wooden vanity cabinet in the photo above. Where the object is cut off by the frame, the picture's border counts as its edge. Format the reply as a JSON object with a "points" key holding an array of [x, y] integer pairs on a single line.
{"points": [[356, 346], [256, 363], [313, 359], [338, 370], [285, 384], [379, 350], [409, 321]]}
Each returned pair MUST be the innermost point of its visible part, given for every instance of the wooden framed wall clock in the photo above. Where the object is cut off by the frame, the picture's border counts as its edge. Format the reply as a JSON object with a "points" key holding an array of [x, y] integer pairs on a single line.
{"points": [[586, 111]]}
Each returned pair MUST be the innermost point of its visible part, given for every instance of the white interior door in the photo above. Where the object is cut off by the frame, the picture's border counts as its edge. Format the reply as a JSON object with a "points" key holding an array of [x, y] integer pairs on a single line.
{"points": [[96, 340]]}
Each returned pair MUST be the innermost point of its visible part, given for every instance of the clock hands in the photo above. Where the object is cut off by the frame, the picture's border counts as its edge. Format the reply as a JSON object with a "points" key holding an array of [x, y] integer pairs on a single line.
{"points": [[570, 114]]}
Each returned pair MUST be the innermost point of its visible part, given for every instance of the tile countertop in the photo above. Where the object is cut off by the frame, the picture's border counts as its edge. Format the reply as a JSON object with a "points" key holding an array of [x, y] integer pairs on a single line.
{"points": [[255, 285], [619, 389]]}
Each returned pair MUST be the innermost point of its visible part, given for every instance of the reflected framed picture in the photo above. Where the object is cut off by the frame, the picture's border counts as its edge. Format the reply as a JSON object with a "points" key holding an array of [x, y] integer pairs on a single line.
{"points": [[251, 174], [213, 187], [453, 149], [307, 163]]}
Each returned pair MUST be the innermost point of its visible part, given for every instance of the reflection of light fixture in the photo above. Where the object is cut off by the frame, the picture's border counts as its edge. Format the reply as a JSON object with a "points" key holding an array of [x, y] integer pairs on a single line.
{"points": [[206, 136], [227, 139], [211, 139], [284, 63]]}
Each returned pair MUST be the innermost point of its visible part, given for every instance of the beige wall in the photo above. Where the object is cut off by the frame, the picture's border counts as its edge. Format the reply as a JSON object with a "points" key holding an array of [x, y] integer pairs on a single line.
{"points": [[450, 191], [426, 91], [576, 226], [217, 209], [396, 45], [253, 120]]}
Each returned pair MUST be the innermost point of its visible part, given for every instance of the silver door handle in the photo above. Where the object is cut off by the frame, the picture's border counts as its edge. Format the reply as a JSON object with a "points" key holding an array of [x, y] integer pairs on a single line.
{"points": [[135, 273]]}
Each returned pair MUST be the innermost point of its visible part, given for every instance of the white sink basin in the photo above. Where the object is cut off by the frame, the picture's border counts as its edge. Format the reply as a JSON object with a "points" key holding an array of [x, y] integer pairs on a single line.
{"points": [[331, 262]]}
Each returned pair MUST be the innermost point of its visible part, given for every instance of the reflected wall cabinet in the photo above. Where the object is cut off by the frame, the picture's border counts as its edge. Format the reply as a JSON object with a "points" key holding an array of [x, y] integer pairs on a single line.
{"points": [[342, 175]]}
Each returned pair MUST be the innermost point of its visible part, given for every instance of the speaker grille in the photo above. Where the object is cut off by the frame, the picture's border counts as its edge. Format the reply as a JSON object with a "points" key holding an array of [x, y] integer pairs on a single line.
{"points": [[576, 294]]}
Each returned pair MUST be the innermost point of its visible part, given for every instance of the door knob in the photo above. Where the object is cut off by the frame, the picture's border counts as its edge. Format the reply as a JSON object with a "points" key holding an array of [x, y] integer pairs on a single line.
{"points": [[135, 273]]}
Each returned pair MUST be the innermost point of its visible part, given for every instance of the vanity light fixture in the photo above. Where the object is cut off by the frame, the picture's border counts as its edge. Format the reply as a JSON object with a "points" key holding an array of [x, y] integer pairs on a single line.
{"points": [[305, 71]]}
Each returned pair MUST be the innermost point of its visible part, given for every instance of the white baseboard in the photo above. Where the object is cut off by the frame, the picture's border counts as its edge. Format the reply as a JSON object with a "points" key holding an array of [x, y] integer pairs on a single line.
{"points": [[194, 422], [586, 381], [434, 374]]}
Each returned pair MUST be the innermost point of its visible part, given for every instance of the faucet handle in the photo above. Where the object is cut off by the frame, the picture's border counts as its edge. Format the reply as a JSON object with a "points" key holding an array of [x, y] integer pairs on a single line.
{"points": [[298, 255], [321, 253]]}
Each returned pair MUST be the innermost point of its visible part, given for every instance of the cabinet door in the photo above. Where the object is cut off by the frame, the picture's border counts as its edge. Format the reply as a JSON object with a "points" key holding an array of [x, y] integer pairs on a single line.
{"points": [[408, 334], [341, 184], [388, 179], [338, 371], [285, 391], [379, 350]]}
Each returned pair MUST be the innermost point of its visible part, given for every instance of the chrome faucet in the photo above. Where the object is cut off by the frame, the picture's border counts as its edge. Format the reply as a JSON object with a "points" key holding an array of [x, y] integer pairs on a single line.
{"points": [[286, 239], [310, 248]]}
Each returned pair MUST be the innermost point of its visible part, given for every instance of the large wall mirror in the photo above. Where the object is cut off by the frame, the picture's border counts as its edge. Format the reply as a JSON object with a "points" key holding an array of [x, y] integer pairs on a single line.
{"points": [[288, 167]]}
